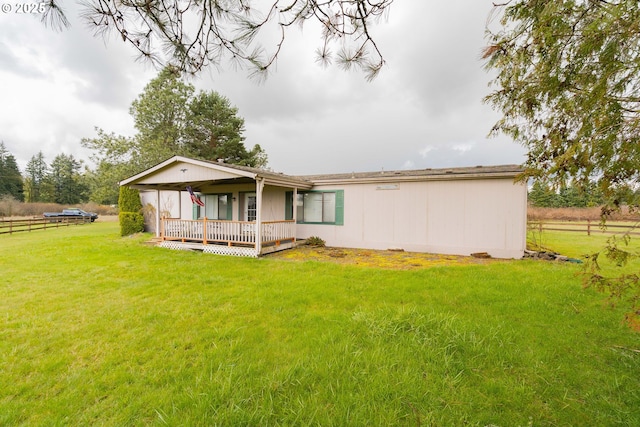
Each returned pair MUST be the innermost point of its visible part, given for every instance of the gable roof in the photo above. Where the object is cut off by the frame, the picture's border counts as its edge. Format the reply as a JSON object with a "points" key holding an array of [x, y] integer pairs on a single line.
{"points": [[177, 172]]}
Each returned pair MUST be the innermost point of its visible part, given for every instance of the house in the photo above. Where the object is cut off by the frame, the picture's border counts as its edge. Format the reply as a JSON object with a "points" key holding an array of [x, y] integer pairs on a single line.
{"points": [[251, 212]]}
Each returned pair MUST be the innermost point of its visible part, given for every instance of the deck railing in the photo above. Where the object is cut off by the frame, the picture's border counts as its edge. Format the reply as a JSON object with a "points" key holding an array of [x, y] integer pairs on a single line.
{"points": [[230, 232]]}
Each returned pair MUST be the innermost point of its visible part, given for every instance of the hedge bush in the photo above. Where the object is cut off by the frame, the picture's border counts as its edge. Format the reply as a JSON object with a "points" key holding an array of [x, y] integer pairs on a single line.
{"points": [[129, 200], [131, 218], [131, 223]]}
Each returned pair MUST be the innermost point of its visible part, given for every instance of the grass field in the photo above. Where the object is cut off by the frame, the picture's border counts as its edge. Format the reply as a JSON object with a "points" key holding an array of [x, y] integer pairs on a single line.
{"points": [[101, 330]]}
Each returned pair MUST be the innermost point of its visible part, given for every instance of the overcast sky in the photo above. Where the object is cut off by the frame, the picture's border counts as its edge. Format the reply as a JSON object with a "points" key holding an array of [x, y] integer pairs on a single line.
{"points": [[424, 110]]}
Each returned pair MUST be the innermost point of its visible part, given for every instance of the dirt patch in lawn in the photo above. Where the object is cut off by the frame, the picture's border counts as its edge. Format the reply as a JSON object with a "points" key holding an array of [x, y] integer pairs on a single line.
{"points": [[394, 260]]}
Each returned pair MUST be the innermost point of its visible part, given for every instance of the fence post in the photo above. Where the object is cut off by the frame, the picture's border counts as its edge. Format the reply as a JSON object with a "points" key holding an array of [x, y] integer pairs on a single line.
{"points": [[588, 227]]}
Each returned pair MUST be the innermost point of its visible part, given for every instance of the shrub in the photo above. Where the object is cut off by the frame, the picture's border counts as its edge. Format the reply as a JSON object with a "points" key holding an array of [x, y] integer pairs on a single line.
{"points": [[315, 241], [129, 200], [131, 218], [8, 205], [131, 223]]}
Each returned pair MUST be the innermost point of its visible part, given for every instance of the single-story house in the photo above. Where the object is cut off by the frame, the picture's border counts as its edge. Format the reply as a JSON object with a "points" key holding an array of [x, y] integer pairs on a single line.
{"points": [[245, 211]]}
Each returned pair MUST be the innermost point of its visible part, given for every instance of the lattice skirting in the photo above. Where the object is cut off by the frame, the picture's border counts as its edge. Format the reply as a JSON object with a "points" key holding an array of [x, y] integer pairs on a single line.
{"points": [[230, 250], [211, 249]]}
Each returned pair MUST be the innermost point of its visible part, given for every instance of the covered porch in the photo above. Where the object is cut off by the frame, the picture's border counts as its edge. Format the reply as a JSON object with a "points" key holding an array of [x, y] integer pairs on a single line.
{"points": [[235, 210], [228, 237]]}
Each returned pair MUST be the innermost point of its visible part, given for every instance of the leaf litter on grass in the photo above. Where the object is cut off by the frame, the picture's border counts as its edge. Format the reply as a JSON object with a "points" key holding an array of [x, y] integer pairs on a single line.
{"points": [[386, 259]]}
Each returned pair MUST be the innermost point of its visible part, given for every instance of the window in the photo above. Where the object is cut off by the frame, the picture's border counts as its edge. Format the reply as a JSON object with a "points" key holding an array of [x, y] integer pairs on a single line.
{"points": [[250, 206], [317, 207], [216, 206]]}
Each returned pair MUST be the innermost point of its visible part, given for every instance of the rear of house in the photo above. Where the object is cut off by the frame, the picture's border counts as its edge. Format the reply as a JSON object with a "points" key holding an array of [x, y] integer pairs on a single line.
{"points": [[448, 211], [453, 211]]}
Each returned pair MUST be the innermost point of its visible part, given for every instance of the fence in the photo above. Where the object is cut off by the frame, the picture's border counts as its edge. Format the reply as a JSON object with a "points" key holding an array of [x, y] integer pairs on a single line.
{"points": [[588, 227], [10, 226]]}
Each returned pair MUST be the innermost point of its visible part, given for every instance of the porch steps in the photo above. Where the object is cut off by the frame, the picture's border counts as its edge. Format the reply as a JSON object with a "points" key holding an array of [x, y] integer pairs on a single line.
{"points": [[155, 241]]}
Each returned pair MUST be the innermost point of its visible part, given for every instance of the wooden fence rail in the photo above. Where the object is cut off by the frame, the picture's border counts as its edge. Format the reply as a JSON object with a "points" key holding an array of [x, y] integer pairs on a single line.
{"points": [[588, 227], [10, 226]]}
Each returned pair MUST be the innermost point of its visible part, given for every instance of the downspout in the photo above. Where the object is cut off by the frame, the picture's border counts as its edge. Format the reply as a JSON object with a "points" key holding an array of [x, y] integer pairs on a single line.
{"points": [[259, 188]]}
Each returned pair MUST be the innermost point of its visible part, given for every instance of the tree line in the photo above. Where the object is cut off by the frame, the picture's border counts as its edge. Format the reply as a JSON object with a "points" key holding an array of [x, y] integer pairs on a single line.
{"points": [[543, 195], [60, 181], [170, 118]]}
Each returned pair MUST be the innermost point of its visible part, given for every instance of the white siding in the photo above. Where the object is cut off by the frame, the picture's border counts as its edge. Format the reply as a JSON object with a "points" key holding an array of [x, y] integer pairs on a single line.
{"points": [[181, 172], [169, 202], [273, 203], [452, 217]]}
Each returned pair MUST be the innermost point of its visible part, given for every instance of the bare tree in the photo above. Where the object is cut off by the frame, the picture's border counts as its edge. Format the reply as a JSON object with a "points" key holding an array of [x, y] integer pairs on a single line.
{"points": [[194, 34]]}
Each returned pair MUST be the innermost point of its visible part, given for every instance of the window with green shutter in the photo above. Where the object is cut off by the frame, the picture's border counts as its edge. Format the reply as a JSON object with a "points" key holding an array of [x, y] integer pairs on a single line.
{"points": [[216, 206], [316, 207]]}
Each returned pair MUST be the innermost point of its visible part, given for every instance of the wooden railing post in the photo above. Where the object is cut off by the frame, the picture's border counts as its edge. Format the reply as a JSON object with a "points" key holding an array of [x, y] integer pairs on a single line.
{"points": [[204, 230], [588, 227]]}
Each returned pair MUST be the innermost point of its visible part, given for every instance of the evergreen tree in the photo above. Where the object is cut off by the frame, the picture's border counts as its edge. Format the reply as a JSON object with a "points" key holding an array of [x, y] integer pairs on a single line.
{"points": [[541, 195], [160, 117], [567, 85], [130, 216], [10, 178], [170, 119], [65, 177], [36, 174]]}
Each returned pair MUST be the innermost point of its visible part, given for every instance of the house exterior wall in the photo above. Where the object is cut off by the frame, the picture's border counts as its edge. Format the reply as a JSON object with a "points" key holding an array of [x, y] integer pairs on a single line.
{"points": [[450, 217]]}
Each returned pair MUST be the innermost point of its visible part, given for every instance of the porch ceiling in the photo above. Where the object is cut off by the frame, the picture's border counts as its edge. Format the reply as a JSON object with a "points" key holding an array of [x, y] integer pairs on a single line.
{"points": [[195, 185]]}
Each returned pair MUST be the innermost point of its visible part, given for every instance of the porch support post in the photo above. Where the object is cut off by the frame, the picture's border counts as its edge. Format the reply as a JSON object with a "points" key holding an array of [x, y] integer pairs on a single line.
{"points": [[157, 213], [295, 214], [259, 188]]}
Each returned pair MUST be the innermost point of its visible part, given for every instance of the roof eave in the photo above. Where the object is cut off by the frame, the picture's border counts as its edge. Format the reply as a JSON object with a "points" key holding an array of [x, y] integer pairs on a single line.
{"points": [[416, 178]]}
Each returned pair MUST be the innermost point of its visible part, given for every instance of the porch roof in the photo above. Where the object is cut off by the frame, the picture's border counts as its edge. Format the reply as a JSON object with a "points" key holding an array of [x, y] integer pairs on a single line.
{"points": [[178, 172]]}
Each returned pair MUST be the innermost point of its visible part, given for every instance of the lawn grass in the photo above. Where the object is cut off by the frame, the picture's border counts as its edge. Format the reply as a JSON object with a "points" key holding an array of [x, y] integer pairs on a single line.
{"points": [[96, 329], [581, 246]]}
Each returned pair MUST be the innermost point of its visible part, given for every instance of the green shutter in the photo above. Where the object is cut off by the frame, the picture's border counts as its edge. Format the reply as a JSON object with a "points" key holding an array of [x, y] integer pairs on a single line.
{"points": [[288, 205], [194, 211], [339, 207], [229, 207]]}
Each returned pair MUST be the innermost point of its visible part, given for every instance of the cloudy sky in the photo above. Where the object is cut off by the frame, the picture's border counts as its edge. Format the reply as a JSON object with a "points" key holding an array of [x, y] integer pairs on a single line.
{"points": [[425, 109]]}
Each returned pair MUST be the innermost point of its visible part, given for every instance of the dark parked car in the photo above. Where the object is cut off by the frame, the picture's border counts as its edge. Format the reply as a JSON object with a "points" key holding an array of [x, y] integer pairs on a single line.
{"points": [[71, 213]]}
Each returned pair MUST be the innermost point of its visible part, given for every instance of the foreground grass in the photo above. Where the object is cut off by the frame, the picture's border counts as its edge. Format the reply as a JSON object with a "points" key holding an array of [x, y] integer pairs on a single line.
{"points": [[101, 330]]}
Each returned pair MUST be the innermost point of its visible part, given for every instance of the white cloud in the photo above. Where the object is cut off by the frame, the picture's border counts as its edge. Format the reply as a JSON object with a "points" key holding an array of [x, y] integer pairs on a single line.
{"points": [[424, 152]]}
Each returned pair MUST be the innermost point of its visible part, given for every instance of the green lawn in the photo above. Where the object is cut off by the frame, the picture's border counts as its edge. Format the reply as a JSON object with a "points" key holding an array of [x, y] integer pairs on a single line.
{"points": [[96, 329]]}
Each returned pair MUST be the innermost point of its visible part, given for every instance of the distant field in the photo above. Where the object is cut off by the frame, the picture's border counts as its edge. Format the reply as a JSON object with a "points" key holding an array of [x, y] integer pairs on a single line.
{"points": [[96, 329], [580, 214]]}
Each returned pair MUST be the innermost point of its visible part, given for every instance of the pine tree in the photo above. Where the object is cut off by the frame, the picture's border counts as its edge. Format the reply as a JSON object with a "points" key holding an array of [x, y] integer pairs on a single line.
{"points": [[11, 183]]}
